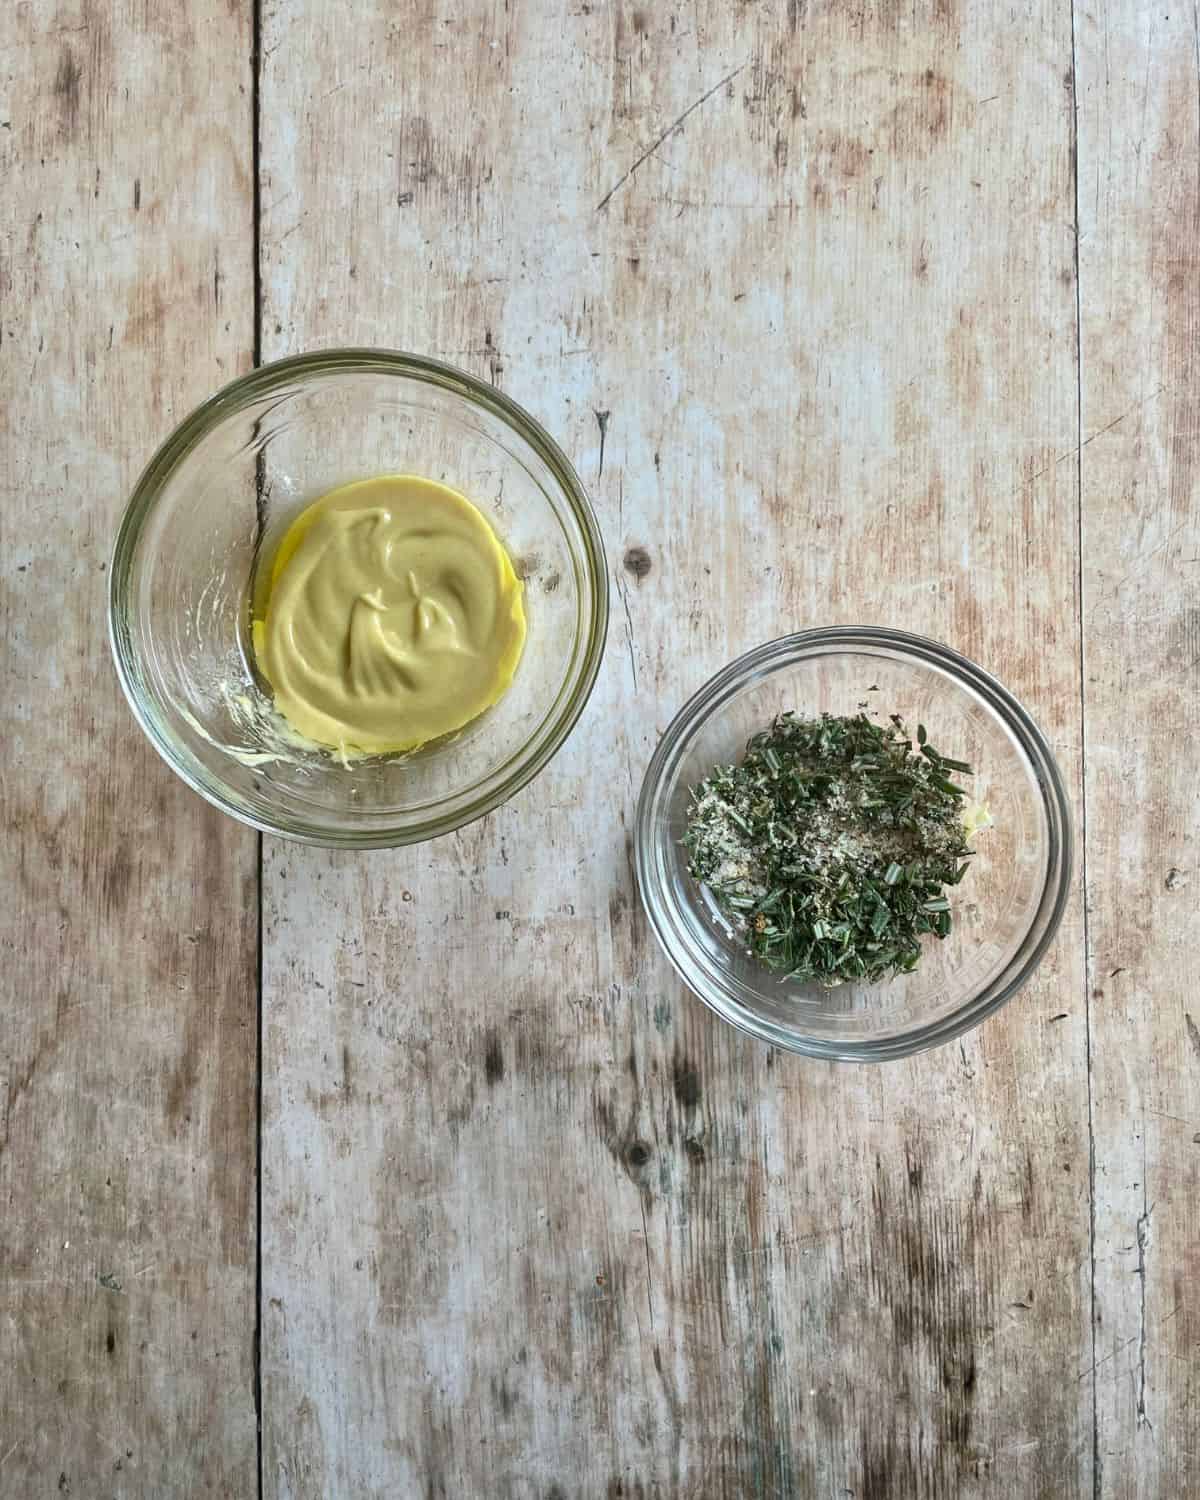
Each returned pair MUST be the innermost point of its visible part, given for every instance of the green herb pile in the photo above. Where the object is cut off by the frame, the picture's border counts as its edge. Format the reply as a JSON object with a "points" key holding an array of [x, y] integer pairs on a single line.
{"points": [[830, 847]]}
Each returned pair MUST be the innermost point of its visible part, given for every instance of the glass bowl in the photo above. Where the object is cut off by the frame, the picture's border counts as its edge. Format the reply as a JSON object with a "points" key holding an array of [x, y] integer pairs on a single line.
{"points": [[211, 506], [1005, 911]]}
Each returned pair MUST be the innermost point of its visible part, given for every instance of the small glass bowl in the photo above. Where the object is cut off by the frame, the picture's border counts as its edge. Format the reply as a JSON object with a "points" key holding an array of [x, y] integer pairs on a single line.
{"points": [[210, 508], [1006, 910]]}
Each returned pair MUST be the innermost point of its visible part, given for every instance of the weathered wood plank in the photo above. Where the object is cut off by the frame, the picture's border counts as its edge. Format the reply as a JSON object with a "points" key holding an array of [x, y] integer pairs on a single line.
{"points": [[796, 287], [1139, 256], [128, 908]]}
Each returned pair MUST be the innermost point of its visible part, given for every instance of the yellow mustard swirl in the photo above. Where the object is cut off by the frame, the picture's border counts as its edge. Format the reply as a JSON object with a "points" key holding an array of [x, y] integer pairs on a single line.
{"points": [[393, 616]]}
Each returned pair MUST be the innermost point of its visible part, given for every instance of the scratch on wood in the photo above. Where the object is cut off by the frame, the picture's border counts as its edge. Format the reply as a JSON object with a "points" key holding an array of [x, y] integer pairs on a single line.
{"points": [[649, 1278], [18, 1085], [1100, 1363], [623, 590], [1143, 1238], [1074, 452], [670, 130]]}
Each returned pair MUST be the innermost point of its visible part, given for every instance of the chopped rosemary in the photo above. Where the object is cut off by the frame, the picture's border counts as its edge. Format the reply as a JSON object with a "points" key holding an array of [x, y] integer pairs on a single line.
{"points": [[830, 847]]}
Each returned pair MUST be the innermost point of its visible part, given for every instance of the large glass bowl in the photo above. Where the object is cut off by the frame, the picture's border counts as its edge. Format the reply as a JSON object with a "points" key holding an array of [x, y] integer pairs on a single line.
{"points": [[1005, 911], [212, 504]]}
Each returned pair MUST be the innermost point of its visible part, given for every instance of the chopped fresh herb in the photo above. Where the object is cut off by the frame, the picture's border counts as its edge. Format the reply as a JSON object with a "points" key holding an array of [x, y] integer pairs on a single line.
{"points": [[830, 846]]}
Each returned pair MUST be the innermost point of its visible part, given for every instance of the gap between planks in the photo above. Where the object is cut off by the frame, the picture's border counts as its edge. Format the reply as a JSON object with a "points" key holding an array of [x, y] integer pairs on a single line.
{"points": [[1081, 835], [256, 253]]}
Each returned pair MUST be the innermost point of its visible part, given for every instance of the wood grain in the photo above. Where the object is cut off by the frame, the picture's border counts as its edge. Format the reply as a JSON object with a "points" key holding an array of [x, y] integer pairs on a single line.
{"points": [[796, 288], [1139, 257], [127, 913]]}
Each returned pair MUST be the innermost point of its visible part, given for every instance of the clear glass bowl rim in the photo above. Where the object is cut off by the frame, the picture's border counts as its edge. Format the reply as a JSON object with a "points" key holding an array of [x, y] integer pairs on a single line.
{"points": [[235, 396], [786, 650]]}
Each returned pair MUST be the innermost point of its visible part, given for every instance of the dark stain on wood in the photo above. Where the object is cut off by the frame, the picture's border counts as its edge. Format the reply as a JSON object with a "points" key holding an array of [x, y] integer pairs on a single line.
{"points": [[436, 1443], [503, 1398], [638, 1155], [929, 1266], [602, 419], [888, 1470], [923, 120], [427, 166], [626, 919], [685, 1081], [1183, 636], [184, 1075], [630, 1489], [145, 326], [493, 1059], [846, 157], [637, 918], [1193, 1034], [623, 1142], [637, 561], [460, 1110], [19, 1085], [416, 151], [118, 874], [66, 91], [495, 359]]}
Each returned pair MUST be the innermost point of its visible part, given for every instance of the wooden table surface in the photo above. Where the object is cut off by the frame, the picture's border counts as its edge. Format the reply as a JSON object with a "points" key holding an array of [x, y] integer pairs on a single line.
{"points": [[847, 311]]}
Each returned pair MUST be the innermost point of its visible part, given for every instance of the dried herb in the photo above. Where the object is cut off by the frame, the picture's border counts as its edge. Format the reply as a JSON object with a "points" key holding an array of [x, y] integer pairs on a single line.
{"points": [[830, 847]]}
